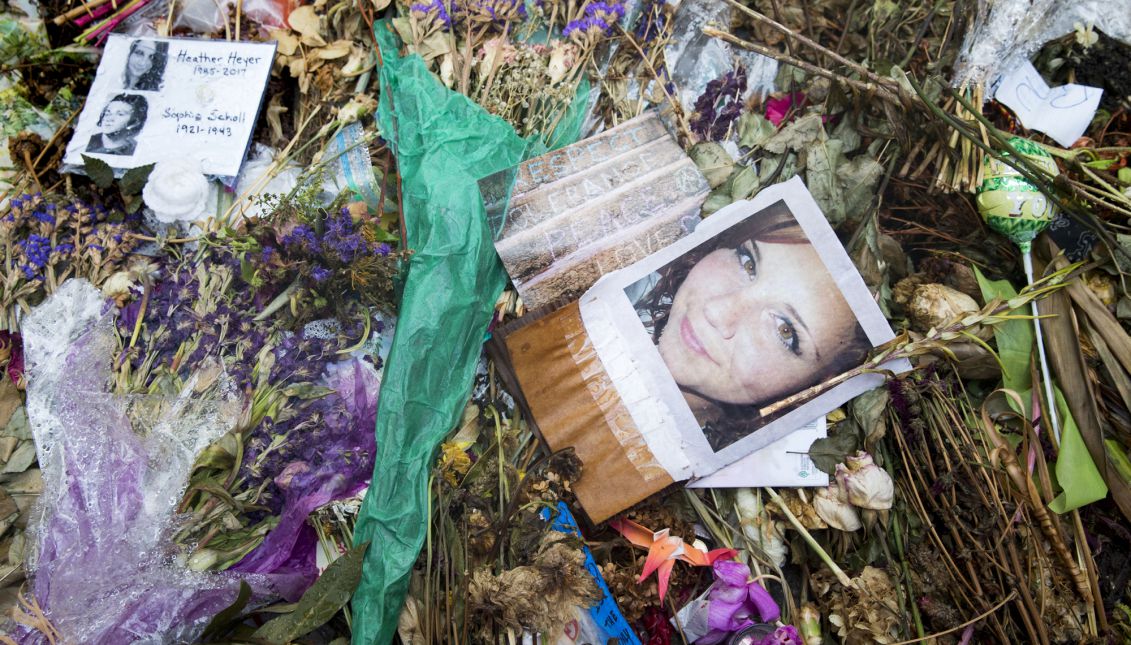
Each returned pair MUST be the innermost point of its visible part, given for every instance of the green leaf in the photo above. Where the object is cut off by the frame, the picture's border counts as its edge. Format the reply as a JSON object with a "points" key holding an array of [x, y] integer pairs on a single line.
{"points": [[822, 160], [713, 161], [318, 605], [1101, 164], [1080, 481], [222, 621], [827, 453], [1124, 175], [99, 171], [1014, 338], [134, 180], [718, 199], [744, 184], [754, 130]]}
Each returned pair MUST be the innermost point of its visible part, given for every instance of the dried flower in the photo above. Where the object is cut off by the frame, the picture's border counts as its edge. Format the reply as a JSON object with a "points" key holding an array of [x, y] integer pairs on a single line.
{"points": [[833, 507], [934, 305], [865, 484], [177, 191]]}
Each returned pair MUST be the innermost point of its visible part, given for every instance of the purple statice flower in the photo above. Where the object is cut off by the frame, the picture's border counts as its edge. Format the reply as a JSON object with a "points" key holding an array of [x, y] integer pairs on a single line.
{"points": [[422, 10], [651, 23], [64, 248], [37, 249], [719, 106], [320, 274], [267, 254], [733, 600], [302, 237]]}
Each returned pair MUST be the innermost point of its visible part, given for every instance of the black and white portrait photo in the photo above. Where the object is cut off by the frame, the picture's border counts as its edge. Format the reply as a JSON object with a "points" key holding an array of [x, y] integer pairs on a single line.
{"points": [[119, 124], [145, 65]]}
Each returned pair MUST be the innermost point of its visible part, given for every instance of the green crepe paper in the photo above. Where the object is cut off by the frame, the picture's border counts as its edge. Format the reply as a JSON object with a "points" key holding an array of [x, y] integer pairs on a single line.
{"points": [[1079, 480], [444, 143]]}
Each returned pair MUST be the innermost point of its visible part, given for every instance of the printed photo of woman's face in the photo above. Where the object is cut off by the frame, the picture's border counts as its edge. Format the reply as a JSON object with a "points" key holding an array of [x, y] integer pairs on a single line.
{"points": [[141, 57], [754, 322], [747, 319], [145, 65], [117, 116]]}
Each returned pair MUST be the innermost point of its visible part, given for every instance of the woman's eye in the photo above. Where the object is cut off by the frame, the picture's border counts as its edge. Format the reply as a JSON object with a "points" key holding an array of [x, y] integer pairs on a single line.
{"points": [[746, 260], [787, 334]]}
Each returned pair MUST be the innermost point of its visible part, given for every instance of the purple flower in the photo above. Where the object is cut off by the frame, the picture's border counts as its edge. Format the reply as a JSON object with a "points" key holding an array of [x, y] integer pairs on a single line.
{"points": [[320, 274], [302, 237], [733, 600], [422, 10], [37, 249]]}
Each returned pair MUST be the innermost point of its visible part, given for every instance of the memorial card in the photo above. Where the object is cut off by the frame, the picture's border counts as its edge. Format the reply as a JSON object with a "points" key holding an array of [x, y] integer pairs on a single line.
{"points": [[702, 354], [156, 98], [598, 205]]}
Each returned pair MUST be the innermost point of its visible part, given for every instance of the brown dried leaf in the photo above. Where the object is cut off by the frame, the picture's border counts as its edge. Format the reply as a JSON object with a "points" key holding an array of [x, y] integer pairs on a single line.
{"points": [[306, 22], [288, 42], [336, 49]]}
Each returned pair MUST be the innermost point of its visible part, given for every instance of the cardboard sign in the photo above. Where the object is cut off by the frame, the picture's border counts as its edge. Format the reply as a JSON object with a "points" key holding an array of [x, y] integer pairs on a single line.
{"points": [[598, 205], [159, 98]]}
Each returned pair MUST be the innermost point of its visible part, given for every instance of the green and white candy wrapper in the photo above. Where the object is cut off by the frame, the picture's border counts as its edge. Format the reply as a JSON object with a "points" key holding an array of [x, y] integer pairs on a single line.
{"points": [[1013, 206]]}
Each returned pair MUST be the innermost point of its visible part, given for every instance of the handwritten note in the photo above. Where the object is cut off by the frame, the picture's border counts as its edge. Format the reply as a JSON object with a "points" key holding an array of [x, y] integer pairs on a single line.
{"points": [[1062, 112], [156, 98]]}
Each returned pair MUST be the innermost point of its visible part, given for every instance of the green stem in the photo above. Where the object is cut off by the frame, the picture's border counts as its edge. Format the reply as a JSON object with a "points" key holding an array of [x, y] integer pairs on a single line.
{"points": [[811, 541]]}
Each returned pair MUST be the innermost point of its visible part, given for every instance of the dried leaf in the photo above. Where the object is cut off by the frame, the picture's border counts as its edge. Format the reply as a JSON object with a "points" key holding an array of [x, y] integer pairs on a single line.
{"points": [[797, 135], [336, 49], [21, 459], [325, 597], [822, 159], [380, 5], [827, 453], [754, 130], [306, 22], [713, 161], [287, 41], [744, 184], [10, 401]]}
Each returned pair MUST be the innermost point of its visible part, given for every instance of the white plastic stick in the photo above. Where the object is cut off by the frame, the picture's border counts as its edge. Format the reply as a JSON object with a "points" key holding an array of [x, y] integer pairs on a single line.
{"points": [[1046, 375]]}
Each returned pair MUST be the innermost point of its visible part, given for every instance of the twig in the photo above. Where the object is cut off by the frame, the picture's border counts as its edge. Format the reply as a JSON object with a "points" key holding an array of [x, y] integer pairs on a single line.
{"points": [[880, 90], [973, 620], [841, 576]]}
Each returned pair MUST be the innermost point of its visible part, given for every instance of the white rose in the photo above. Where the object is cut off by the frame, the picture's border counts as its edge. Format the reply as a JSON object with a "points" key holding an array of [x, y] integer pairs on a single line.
{"points": [[864, 483], [177, 191], [832, 506]]}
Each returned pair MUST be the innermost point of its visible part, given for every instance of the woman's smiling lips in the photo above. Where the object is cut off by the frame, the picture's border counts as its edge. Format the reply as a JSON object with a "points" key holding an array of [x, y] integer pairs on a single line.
{"points": [[691, 340]]}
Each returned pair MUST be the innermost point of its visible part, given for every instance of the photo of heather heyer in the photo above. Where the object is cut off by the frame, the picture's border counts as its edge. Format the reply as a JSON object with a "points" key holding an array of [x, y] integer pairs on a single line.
{"points": [[747, 319]]}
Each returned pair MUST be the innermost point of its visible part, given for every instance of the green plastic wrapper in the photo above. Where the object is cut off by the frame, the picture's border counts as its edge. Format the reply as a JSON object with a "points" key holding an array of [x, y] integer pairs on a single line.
{"points": [[444, 144]]}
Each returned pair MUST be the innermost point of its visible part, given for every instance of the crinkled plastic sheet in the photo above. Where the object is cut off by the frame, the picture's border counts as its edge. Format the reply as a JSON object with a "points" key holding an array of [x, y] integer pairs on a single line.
{"points": [[1005, 32], [111, 485], [114, 468]]}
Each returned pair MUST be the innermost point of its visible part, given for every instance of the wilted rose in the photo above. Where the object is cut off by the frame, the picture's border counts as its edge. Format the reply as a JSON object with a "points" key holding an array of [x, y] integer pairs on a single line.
{"points": [[833, 507], [865, 484]]}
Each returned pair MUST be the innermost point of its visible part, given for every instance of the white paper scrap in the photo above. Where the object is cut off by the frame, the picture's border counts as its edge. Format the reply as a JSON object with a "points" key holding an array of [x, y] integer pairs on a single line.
{"points": [[1062, 112], [784, 463]]}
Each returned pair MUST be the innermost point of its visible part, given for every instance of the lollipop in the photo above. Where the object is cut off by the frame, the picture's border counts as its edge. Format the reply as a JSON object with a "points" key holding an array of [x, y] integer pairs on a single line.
{"points": [[1016, 208]]}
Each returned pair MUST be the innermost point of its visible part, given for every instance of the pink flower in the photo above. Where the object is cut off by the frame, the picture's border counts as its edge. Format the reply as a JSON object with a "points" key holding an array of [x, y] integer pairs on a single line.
{"points": [[776, 109]]}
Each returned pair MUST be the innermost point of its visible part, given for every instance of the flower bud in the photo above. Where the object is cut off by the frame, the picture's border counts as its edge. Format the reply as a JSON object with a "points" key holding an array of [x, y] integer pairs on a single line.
{"points": [[934, 305], [864, 483], [832, 506]]}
